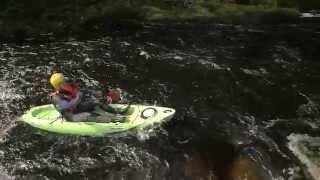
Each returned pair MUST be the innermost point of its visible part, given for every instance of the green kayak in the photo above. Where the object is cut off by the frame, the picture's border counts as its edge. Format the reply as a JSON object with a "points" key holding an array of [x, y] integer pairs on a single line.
{"points": [[46, 117]]}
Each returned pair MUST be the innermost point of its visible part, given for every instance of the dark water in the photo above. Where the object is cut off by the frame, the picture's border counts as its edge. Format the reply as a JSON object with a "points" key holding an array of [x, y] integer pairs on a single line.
{"points": [[238, 91]]}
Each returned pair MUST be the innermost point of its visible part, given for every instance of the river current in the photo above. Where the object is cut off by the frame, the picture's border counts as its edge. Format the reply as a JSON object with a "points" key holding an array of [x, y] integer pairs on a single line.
{"points": [[239, 92]]}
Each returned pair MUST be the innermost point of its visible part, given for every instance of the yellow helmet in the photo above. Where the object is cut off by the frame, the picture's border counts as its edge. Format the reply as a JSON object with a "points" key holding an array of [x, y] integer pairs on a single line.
{"points": [[56, 80]]}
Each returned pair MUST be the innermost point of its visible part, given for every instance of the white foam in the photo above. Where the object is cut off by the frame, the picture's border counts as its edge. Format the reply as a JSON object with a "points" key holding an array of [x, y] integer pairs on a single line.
{"points": [[4, 175], [7, 96], [7, 93], [307, 150]]}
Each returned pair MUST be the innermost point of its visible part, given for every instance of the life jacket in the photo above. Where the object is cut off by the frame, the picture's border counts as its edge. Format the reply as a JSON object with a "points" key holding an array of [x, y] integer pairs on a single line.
{"points": [[69, 91]]}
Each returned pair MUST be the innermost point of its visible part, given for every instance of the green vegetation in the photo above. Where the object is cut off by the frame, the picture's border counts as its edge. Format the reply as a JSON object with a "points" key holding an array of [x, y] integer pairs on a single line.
{"points": [[300, 4], [83, 10], [263, 12], [61, 16]]}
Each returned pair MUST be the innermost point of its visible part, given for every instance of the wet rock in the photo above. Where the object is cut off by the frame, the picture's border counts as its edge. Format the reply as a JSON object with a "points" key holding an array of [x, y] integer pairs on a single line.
{"points": [[198, 167], [252, 163], [243, 168]]}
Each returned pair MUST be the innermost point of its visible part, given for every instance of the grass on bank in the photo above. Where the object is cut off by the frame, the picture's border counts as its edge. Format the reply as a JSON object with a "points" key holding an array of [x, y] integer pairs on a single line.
{"points": [[24, 18], [80, 11], [226, 13]]}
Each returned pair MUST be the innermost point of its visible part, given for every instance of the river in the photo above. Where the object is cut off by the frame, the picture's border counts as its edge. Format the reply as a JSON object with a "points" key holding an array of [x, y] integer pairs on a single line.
{"points": [[239, 92]]}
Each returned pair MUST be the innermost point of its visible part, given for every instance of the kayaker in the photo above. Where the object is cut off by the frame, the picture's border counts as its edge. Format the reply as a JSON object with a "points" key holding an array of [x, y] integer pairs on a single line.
{"points": [[66, 97], [67, 100]]}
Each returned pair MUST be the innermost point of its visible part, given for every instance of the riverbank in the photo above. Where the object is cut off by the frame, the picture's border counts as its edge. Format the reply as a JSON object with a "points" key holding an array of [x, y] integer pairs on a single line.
{"points": [[80, 19]]}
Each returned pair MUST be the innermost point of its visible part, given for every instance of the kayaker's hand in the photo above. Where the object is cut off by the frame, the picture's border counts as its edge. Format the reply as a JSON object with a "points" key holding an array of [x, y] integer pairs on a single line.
{"points": [[53, 93], [79, 95], [109, 99], [125, 101]]}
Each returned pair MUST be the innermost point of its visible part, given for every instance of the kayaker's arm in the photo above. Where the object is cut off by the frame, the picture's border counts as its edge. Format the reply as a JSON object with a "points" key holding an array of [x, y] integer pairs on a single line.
{"points": [[75, 101], [63, 105]]}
